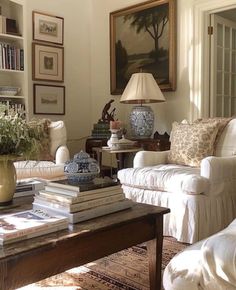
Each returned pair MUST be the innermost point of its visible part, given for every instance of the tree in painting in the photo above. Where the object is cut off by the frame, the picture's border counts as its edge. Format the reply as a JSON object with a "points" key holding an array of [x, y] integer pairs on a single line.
{"points": [[152, 21], [142, 43]]}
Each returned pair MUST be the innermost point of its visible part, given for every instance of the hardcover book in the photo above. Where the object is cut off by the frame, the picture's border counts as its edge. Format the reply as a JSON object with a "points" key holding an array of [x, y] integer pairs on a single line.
{"points": [[89, 213], [65, 207], [83, 196], [27, 224], [66, 187]]}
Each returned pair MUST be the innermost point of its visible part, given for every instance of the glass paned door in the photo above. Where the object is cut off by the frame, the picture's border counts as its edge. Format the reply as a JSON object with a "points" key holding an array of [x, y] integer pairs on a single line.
{"points": [[223, 68]]}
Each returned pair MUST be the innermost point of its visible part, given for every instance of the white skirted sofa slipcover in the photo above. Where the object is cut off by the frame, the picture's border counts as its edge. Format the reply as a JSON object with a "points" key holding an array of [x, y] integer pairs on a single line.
{"points": [[206, 265], [51, 165], [202, 195]]}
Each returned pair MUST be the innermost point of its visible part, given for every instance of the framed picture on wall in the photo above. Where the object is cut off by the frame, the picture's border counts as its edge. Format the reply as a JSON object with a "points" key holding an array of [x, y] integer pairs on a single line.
{"points": [[47, 62], [48, 28], [143, 38], [49, 99]]}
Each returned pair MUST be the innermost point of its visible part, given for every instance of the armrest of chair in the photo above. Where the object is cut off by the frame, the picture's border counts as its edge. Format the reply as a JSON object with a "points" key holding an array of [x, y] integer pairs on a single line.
{"points": [[150, 158], [221, 173], [62, 154]]}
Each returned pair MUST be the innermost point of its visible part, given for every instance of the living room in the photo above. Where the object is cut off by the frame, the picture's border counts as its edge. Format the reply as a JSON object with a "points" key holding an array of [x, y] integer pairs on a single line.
{"points": [[87, 64]]}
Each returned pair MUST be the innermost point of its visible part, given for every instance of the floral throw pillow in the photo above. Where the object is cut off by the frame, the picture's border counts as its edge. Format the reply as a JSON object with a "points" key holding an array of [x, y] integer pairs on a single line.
{"points": [[191, 143], [40, 130]]}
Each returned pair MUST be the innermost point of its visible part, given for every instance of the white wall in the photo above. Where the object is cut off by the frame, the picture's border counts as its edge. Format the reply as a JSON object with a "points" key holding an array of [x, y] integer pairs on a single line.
{"points": [[76, 67], [177, 103], [87, 65]]}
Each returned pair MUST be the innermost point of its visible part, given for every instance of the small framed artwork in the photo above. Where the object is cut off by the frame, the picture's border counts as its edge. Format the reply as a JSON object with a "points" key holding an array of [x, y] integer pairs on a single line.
{"points": [[48, 28], [49, 100], [47, 62], [143, 38]]}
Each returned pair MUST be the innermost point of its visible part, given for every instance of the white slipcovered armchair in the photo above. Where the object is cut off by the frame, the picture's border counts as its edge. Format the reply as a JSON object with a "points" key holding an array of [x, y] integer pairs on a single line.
{"points": [[202, 199], [51, 166], [206, 265]]}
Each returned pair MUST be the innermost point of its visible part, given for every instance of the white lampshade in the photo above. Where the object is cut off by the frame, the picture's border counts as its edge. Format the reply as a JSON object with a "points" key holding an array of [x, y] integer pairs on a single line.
{"points": [[142, 88]]}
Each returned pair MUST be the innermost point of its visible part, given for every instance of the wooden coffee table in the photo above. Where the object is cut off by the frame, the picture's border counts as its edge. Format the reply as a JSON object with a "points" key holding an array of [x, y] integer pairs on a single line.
{"points": [[34, 259]]}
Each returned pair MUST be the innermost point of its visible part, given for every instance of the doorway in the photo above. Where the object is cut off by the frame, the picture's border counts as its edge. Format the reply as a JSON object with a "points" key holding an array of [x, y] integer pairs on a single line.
{"points": [[200, 87], [222, 67]]}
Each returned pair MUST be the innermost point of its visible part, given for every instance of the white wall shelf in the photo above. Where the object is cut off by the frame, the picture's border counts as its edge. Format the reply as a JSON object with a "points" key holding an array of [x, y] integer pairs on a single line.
{"points": [[14, 9]]}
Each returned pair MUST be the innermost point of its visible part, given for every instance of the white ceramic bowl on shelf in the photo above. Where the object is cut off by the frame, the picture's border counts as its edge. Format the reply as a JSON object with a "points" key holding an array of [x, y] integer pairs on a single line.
{"points": [[9, 91]]}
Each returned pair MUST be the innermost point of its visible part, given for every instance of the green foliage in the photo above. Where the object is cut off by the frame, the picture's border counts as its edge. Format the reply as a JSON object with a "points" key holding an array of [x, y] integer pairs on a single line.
{"points": [[16, 136]]}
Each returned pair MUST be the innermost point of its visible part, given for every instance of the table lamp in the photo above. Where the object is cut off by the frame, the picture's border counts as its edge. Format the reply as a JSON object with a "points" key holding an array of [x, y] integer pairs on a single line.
{"points": [[142, 88]]}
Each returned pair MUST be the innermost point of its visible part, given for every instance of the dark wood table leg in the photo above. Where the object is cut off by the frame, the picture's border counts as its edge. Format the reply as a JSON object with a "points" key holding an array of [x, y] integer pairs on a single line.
{"points": [[154, 248], [120, 160]]}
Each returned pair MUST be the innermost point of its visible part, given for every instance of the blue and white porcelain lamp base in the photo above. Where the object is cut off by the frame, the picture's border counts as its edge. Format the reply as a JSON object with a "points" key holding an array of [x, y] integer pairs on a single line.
{"points": [[142, 121]]}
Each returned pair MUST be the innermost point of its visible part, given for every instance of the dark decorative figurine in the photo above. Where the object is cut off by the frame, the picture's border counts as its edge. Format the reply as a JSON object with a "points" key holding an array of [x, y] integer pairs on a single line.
{"points": [[106, 115]]}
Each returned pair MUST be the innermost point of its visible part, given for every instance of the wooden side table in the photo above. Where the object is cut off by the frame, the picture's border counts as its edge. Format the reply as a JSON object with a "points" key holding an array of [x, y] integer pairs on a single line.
{"points": [[151, 144], [158, 143], [120, 154]]}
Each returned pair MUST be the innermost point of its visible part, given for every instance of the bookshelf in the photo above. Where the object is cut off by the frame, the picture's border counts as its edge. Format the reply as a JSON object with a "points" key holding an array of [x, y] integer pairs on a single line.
{"points": [[13, 65]]}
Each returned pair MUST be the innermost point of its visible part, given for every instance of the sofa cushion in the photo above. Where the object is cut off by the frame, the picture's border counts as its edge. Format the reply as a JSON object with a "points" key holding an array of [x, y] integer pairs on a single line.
{"points": [[223, 122], [226, 145], [58, 136], [41, 169], [190, 143], [167, 177], [40, 131], [208, 264]]}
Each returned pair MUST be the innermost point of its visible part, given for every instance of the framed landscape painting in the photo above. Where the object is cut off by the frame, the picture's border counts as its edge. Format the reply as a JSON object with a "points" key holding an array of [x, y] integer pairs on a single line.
{"points": [[143, 38], [48, 28], [47, 62], [49, 99]]}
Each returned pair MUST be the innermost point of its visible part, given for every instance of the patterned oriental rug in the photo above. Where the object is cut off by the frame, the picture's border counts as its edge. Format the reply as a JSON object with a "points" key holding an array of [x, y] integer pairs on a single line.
{"points": [[127, 269]]}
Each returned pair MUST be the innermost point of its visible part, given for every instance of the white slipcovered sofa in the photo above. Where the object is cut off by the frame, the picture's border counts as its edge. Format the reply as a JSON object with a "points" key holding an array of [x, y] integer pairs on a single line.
{"points": [[52, 165], [202, 199], [206, 265]]}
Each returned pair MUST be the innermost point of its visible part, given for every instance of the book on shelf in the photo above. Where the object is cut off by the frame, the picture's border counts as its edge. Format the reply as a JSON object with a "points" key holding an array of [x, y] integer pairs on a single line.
{"points": [[71, 208], [28, 224], [89, 213], [82, 196], [3, 24]]}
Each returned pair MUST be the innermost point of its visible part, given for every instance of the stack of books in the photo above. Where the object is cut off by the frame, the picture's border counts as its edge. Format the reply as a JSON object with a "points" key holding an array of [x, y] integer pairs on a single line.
{"points": [[80, 204], [28, 224], [28, 187]]}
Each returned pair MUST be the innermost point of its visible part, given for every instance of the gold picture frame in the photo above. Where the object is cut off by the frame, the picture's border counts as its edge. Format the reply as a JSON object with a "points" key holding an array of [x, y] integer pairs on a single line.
{"points": [[47, 62], [48, 28], [143, 38]]}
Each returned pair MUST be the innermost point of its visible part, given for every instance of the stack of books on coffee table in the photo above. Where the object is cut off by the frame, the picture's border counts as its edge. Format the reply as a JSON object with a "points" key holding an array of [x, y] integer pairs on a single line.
{"points": [[81, 202], [29, 224]]}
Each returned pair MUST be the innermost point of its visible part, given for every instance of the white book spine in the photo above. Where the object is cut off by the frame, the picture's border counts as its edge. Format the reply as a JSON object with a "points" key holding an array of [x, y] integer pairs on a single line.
{"points": [[83, 205], [62, 191], [30, 230], [25, 193], [90, 213], [41, 232], [63, 186], [52, 196]]}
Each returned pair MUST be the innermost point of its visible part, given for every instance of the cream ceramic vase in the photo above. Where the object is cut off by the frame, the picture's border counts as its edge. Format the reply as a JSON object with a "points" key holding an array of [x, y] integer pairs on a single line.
{"points": [[7, 181]]}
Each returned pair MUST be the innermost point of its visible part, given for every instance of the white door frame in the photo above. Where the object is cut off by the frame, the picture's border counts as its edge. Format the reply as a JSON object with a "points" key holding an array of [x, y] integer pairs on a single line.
{"points": [[199, 95]]}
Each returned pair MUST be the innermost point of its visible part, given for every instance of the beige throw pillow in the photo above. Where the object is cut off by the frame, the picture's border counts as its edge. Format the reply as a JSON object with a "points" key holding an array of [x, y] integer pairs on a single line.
{"points": [[192, 142]]}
